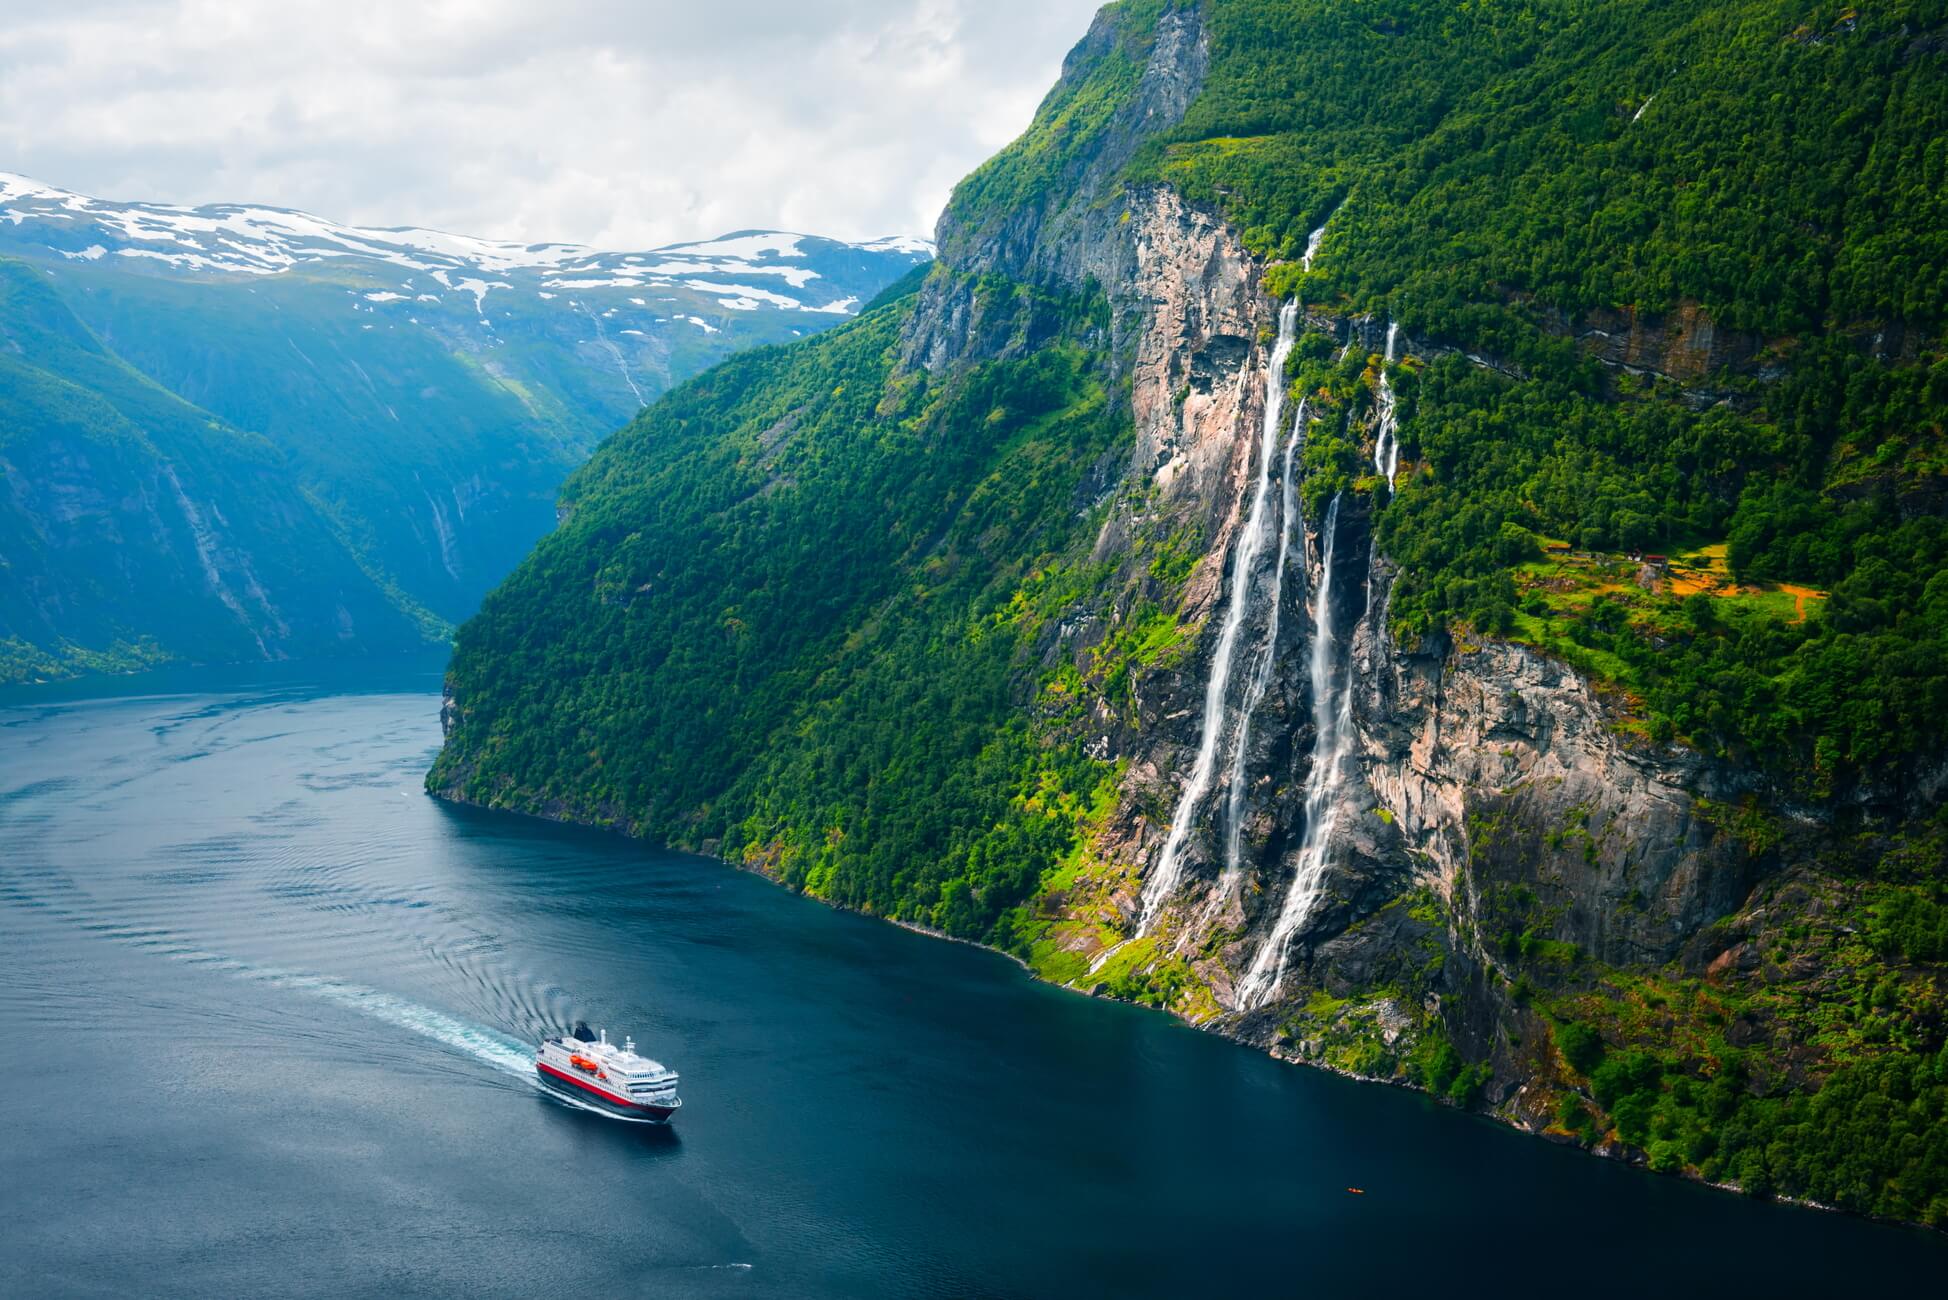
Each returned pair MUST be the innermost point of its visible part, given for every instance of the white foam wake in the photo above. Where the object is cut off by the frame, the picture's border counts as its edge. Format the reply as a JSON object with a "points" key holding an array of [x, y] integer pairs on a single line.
{"points": [[489, 1046], [483, 1044]]}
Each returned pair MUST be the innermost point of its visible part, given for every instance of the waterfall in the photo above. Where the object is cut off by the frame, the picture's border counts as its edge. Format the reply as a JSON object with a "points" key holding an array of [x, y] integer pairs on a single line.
{"points": [[1261, 679], [1386, 445], [1164, 880], [1332, 748], [1312, 242], [1316, 238], [1355, 335], [602, 337]]}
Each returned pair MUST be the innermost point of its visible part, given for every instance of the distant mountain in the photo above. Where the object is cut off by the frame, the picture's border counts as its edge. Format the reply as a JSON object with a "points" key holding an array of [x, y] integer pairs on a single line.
{"points": [[411, 395]]}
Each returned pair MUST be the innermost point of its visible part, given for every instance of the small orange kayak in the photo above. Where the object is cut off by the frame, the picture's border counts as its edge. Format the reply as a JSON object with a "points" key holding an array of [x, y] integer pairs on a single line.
{"points": [[1357, 1191]]}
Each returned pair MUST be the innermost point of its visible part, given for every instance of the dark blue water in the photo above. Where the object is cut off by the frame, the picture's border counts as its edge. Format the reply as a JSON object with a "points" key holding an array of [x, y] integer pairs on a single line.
{"points": [[268, 1007]]}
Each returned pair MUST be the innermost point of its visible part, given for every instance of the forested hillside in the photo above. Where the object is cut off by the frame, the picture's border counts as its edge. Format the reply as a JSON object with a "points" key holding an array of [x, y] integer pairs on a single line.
{"points": [[1647, 300], [1509, 179], [420, 396], [136, 528], [834, 528]]}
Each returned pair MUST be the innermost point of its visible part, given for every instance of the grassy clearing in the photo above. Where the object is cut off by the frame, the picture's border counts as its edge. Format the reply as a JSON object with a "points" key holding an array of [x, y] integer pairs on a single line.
{"points": [[1567, 593]]}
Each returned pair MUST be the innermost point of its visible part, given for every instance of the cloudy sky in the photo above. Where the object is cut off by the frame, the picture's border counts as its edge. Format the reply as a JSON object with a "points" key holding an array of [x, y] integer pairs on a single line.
{"points": [[617, 123]]}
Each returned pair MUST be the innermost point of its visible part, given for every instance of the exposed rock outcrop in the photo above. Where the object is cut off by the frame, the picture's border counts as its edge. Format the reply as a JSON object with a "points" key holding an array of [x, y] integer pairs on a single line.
{"points": [[1502, 768], [1486, 778]]}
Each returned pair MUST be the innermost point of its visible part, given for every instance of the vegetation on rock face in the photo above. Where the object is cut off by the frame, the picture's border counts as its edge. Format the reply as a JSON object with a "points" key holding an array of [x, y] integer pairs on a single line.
{"points": [[786, 615], [1502, 178], [1824, 697], [136, 528], [1808, 1060], [1038, 171], [1672, 278]]}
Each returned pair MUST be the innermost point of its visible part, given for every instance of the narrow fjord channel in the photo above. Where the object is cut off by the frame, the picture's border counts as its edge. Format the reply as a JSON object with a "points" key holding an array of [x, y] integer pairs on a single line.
{"points": [[270, 1007]]}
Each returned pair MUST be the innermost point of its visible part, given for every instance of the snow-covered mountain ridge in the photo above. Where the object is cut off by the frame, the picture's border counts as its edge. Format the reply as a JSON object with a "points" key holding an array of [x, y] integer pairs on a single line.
{"points": [[243, 432], [746, 270]]}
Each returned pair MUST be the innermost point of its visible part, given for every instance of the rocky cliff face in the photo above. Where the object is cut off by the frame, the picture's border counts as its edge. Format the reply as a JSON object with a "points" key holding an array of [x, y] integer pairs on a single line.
{"points": [[1482, 790], [1051, 605], [1500, 767]]}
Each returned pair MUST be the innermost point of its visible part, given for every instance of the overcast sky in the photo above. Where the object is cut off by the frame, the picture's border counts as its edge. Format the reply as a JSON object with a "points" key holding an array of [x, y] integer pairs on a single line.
{"points": [[617, 123]]}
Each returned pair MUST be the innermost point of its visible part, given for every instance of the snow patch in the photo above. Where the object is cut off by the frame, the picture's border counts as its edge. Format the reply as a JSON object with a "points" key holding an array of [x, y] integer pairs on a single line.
{"points": [[751, 243], [795, 276], [910, 244], [743, 292], [14, 186], [478, 288]]}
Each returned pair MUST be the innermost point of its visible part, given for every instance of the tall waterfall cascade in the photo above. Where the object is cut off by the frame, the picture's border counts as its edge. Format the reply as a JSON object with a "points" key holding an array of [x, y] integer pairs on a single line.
{"points": [[1332, 752], [1164, 881], [1386, 443], [1261, 677]]}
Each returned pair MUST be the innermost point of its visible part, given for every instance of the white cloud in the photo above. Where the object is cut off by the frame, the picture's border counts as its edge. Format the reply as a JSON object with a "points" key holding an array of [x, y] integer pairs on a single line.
{"points": [[614, 123]]}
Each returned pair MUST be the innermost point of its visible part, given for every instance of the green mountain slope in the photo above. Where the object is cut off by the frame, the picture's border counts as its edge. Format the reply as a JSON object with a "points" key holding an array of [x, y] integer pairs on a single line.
{"points": [[135, 527], [832, 526], [918, 617], [427, 392], [437, 463]]}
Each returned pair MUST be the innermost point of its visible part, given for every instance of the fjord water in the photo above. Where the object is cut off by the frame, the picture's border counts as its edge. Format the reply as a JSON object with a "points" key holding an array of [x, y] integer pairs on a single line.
{"points": [[269, 1007]]}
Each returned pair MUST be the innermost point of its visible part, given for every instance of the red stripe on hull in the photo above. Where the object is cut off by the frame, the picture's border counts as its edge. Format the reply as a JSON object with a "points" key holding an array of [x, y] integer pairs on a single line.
{"points": [[603, 1093]]}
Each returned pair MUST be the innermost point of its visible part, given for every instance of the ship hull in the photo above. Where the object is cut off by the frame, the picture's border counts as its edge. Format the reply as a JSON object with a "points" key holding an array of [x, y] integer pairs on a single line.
{"points": [[599, 1099]]}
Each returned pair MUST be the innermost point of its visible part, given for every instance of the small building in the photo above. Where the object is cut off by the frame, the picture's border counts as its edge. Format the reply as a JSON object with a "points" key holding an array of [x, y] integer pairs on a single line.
{"points": [[1653, 572]]}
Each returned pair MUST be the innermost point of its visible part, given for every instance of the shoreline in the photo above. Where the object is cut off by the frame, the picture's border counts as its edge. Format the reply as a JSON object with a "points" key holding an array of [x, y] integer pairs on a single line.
{"points": [[1638, 1160]]}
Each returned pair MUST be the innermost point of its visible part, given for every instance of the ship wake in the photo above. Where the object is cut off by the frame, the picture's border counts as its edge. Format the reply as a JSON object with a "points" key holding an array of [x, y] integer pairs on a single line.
{"points": [[57, 899]]}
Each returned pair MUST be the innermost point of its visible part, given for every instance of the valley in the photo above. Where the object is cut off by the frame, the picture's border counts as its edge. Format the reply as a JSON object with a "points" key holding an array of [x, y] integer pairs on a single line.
{"points": [[399, 406]]}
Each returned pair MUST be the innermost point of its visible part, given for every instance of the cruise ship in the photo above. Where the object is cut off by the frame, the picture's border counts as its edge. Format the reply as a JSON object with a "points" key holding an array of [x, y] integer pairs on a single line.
{"points": [[606, 1078]]}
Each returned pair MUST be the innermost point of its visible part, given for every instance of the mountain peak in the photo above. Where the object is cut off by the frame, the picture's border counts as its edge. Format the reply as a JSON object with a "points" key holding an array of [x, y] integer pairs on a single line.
{"points": [[252, 239]]}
